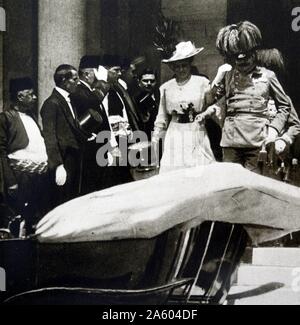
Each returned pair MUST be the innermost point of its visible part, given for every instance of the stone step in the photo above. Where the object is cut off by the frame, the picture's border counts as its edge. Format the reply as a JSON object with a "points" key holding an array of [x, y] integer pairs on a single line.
{"points": [[270, 256], [261, 275], [271, 294]]}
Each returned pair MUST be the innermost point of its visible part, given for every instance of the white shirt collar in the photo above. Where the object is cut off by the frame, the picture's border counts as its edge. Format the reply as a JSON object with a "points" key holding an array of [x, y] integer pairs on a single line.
{"points": [[64, 93], [86, 84]]}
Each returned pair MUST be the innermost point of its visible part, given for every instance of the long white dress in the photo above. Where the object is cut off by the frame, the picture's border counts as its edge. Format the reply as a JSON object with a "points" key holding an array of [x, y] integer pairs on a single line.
{"points": [[185, 144]]}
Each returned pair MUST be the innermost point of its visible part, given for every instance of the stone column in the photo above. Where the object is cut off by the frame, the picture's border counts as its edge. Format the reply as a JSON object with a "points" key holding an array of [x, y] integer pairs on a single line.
{"points": [[61, 39], [1, 55]]}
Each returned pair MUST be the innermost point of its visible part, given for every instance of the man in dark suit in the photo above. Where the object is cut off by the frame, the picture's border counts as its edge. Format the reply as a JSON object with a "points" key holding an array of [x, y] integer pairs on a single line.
{"points": [[122, 115], [147, 100], [23, 158], [88, 97], [63, 136]]}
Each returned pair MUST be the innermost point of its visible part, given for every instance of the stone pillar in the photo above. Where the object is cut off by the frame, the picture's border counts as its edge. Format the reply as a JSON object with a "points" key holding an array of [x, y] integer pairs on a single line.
{"points": [[1, 71], [61, 39], [1, 59]]}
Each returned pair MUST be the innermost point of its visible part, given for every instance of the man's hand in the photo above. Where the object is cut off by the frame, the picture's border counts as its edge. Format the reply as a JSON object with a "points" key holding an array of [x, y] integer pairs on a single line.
{"points": [[272, 135], [60, 176], [211, 110], [221, 73], [280, 146], [200, 118], [116, 152], [101, 73]]}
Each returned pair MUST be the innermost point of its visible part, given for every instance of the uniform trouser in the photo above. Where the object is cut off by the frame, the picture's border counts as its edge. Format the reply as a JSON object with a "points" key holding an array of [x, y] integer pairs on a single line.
{"points": [[225, 243], [247, 157]]}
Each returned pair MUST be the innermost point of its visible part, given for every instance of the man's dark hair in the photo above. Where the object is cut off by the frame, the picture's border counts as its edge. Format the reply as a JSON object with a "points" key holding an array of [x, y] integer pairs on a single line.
{"points": [[147, 71], [62, 73]]}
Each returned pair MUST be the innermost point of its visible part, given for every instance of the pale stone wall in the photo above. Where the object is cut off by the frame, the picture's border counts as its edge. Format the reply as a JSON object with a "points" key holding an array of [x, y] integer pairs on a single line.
{"points": [[1, 65], [19, 42], [61, 39], [200, 21]]}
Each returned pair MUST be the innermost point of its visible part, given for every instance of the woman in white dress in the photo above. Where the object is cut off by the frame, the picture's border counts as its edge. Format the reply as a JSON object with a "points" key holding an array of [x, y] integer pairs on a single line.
{"points": [[186, 143]]}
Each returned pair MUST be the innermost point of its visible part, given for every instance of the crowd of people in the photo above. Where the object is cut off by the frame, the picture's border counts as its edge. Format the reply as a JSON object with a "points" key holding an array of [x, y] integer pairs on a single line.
{"points": [[104, 102]]}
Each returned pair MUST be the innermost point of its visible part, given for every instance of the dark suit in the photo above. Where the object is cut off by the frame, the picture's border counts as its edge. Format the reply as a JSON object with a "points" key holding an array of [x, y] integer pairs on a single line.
{"points": [[147, 110], [83, 100], [118, 98], [133, 117], [64, 141]]}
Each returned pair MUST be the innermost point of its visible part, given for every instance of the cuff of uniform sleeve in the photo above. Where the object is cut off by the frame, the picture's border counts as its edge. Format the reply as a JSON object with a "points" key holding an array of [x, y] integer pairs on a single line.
{"points": [[286, 138]]}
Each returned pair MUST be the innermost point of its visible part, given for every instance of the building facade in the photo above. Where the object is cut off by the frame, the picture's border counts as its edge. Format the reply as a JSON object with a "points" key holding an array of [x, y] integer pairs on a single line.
{"points": [[41, 34]]}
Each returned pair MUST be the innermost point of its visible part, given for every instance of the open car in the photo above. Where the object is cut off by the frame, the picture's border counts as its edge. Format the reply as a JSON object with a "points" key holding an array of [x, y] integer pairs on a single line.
{"points": [[150, 241]]}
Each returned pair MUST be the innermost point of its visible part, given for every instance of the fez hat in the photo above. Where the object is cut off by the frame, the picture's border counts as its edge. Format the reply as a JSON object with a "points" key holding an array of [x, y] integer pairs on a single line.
{"points": [[19, 84], [89, 62], [110, 60], [91, 122], [184, 50]]}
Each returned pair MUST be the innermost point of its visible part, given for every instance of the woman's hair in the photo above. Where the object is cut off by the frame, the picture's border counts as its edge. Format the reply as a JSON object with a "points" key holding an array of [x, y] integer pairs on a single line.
{"points": [[272, 59], [238, 38]]}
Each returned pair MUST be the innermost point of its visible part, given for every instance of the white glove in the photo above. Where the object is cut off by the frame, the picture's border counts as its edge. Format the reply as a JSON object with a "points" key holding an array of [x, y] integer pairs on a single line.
{"points": [[272, 135], [101, 73], [221, 73], [200, 118], [210, 111], [280, 145], [60, 176], [110, 159]]}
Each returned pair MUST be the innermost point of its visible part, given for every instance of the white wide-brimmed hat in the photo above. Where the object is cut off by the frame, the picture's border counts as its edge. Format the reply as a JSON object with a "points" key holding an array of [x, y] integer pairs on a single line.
{"points": [[184, 50]]}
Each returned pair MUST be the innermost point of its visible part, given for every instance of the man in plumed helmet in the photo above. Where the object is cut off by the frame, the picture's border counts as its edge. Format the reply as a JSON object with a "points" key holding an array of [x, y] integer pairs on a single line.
{"points": [[23, 157], [247, 89]]}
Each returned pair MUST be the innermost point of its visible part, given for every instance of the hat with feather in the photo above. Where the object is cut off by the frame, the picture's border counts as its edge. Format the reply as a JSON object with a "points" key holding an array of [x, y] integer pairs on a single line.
{"points": [[169, 41], [238, 38]]}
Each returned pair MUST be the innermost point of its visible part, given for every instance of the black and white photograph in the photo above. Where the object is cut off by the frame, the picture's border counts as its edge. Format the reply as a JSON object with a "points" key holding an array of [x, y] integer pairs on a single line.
{"points": [[149, 154]]}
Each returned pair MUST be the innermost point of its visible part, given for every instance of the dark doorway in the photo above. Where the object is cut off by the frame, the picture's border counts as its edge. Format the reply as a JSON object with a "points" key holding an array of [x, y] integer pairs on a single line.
{"points": [[274, 18]]}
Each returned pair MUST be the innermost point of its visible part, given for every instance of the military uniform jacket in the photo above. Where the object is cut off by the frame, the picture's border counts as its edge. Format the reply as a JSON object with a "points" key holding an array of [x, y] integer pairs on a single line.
{"points": [[246, 116]]}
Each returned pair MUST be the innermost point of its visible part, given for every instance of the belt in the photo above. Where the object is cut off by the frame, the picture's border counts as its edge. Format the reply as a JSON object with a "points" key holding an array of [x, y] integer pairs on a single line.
{"points": [[256, 114], [28, 166], [184, 118]]}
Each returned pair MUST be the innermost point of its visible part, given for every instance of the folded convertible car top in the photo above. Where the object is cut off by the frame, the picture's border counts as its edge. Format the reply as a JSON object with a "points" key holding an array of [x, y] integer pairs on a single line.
{"points": [[222, 192]]}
